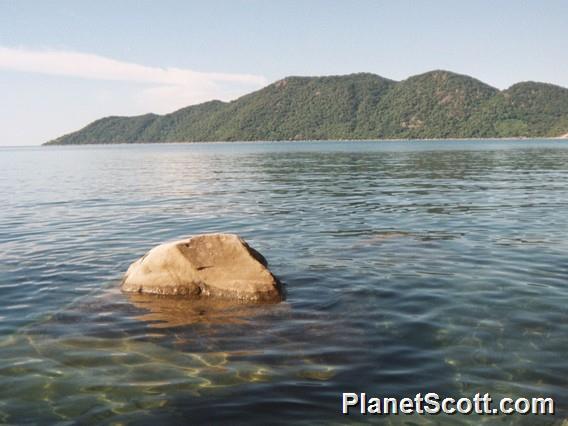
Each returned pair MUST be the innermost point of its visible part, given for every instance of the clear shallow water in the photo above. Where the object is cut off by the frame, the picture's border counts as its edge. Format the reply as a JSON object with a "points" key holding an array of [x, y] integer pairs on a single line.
{"points": [[409, 267]]}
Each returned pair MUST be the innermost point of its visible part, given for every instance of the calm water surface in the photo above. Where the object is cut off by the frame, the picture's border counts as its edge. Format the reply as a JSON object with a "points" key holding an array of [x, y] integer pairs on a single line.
{"points": [[409, 267]]}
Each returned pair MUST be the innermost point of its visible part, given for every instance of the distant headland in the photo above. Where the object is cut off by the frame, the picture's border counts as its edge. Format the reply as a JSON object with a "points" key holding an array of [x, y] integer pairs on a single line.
{"points": [[434, 105]]}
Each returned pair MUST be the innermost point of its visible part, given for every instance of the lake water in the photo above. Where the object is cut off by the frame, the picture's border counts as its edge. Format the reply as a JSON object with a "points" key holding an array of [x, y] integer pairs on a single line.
{"points": [[409, 267]]}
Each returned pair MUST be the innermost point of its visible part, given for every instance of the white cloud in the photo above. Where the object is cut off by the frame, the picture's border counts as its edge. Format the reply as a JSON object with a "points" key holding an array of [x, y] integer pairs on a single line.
{"points": [[166, 88]]}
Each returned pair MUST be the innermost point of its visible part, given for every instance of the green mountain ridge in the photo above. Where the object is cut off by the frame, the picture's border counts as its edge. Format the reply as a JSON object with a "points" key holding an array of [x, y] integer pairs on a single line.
{"points": [[436, 104]]}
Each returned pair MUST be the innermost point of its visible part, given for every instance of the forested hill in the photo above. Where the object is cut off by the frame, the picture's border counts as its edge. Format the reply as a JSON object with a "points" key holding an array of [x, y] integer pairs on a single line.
{"points": [[437, 104]]}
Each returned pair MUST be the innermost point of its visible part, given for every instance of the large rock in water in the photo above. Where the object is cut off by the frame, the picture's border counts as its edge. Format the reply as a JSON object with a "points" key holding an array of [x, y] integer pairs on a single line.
{"points": [[221, 265]]}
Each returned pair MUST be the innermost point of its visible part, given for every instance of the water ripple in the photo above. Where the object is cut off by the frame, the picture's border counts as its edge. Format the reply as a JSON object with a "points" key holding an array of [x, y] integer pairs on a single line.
{"points": [[409, 267]]}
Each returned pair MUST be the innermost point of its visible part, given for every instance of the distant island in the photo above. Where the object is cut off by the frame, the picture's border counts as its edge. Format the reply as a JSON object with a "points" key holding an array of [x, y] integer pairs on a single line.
{"points": [[434, 105]]}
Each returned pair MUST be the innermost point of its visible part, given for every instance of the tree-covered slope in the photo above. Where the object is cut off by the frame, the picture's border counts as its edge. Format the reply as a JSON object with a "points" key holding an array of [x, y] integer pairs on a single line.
{"points": [[303, 108], [524, 109], [437, 104]]}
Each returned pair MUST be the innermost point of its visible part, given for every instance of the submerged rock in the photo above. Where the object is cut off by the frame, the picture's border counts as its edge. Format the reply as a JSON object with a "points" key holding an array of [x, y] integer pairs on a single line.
{"points": [[221, 265], [170, 311]]}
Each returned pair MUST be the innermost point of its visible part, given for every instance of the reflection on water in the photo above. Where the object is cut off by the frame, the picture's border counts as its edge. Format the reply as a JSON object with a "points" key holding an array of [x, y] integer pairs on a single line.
{"points": [[166, 312], [410, 267]]}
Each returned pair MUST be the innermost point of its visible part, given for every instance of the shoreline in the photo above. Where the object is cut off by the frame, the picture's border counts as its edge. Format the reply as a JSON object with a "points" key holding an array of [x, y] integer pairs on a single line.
{"points": [[523, 138]]}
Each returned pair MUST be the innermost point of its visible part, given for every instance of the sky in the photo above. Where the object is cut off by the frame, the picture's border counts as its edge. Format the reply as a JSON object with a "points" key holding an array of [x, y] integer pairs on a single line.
{"points": [[64, 64]]}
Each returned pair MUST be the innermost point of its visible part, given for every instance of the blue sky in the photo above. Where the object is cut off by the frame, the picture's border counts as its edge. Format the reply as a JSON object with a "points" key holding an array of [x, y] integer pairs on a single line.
{"points": [[64, 64]]}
